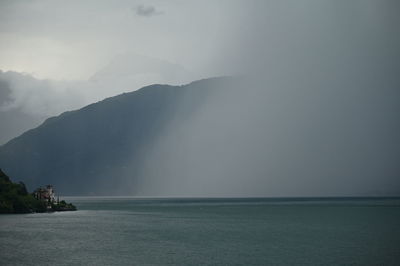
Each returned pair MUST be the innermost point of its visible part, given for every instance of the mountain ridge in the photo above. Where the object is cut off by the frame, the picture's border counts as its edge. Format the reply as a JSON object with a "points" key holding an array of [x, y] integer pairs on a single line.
{"points": [[219, 137], [63, 114], [131, 120]]}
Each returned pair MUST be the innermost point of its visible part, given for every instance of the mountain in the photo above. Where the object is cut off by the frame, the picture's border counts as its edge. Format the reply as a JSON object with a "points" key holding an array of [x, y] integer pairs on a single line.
{"points": [[253, 136], [93, 150], [25, 101]]}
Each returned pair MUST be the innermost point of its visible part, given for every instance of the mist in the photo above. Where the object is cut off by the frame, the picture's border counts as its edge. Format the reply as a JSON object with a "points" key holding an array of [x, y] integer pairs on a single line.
{"points": [[315, 113], [311, 107]]}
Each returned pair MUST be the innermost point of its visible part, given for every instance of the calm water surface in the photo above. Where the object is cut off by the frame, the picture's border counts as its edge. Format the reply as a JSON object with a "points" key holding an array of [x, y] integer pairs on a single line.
{"points": [[132, 231]]}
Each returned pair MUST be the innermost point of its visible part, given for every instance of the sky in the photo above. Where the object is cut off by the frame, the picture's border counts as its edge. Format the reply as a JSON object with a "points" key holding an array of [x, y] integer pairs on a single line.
{"points": [[74, 39], [62, 55]]}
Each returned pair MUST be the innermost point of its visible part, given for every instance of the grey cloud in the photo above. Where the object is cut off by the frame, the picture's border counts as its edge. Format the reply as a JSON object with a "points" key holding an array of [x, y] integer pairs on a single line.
{"points": [[37, 97], [5, 92], [318, 116], [26, 99], [146, 11], [14, 118]]}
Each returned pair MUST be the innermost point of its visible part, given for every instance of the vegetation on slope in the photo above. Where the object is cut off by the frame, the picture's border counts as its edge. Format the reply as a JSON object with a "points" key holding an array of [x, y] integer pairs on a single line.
{"points": [[14, 198]]}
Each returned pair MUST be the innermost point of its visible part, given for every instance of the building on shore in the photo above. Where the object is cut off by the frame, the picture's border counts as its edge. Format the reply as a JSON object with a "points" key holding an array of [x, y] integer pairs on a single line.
{"points": [[48, 197], [46, 194]]}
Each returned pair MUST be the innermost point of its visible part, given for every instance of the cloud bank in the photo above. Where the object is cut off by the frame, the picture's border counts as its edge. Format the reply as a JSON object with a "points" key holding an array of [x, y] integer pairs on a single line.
{"points": [[40, 99]]}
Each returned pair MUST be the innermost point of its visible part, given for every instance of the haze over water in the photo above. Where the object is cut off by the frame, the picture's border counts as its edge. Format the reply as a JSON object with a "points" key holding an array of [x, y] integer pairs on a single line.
{"points": [[250, 231]]}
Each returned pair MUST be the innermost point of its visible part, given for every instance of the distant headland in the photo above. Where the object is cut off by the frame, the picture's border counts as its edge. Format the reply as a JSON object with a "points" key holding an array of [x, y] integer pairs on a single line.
{"points": [[15, 198]]}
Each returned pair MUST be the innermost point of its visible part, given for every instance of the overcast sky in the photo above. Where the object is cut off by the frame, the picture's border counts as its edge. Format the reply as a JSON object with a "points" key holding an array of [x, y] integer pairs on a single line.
{"points": [[73, 39]]}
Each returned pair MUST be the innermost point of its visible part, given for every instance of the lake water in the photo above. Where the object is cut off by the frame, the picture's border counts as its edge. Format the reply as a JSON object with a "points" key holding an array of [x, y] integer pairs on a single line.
{"points": [[134, 231]]}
